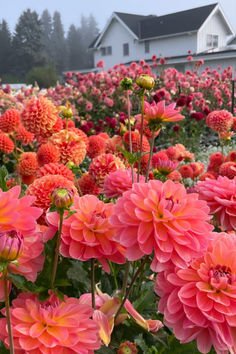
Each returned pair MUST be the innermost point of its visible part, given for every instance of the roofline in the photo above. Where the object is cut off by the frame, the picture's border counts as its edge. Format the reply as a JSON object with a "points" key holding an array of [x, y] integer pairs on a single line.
{"points": [[113, 16], [167, 35], [217, 8]]}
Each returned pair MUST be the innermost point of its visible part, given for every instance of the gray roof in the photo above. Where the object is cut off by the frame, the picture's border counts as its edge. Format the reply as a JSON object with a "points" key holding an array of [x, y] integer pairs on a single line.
{"points": [[178, 22], [152, 26]]}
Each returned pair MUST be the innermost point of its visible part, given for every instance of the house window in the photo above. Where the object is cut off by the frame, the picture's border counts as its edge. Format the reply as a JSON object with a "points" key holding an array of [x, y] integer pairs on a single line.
{"points": [[126, 49], [212, 40], [106, 51], [147, 46]]}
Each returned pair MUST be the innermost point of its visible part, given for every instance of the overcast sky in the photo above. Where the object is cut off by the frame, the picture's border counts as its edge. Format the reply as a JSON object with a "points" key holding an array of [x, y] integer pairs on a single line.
{"points": [[71, 10]]}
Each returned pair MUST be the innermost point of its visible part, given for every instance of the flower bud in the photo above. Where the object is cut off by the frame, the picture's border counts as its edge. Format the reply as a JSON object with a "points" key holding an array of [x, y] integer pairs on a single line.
{"points": [[11, 245], [145, 81], [127, 348], [62, 197], [126, 84]]}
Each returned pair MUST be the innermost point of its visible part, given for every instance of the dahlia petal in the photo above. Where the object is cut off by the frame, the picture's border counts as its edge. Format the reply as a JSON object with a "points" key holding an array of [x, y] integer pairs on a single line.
{"points": [[36, 330], [22, 314], [60, 333], [203, 343], [203, 301], [195, 316], [28, 343]]}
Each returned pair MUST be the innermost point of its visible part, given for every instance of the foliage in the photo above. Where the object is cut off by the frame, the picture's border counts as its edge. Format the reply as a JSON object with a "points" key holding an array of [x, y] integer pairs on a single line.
{"points": [[45, 76]]}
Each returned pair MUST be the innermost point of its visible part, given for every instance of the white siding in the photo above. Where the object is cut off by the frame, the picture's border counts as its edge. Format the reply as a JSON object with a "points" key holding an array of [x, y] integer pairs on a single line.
{"points": [[214, 25], [116, 35]]}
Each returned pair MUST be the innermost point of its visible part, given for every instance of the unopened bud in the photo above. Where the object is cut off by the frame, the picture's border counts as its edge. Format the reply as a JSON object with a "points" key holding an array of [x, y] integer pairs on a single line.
{"points": [[11, 245], [127, 348], [126, 84], [145, 81], [62, 198]]}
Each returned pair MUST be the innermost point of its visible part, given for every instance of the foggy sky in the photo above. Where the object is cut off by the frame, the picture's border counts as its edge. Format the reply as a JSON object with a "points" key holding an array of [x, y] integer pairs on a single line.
{"points": [[71, 10]]}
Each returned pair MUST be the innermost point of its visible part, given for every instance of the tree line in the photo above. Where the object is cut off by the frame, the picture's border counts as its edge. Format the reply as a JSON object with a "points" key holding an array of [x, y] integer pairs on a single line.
{"points": [[40, 42]]}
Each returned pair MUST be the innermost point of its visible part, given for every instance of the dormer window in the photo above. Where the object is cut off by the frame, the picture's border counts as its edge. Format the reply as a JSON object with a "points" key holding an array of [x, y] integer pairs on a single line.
{"points": [[125, 49], [106, 51], [212, 40]]}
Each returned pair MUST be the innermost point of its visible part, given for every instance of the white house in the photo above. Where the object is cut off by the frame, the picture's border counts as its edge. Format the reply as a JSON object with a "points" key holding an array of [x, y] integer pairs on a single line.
{"points": [[204, 31]]}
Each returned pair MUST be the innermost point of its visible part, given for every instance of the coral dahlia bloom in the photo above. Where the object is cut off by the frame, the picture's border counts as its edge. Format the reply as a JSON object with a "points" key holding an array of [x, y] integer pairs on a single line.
{"points": [[71, 146], [164, 218], [228, 169], [220, 195], [220, 121], [87, 185], [55, 169], [6, 144], [159, 113], [28, 164], [42, 187], [10, 120], [102, 166], [17, 213], [118, 182], [30, 261], [47, 153], [136, 140], [24, 136], [39, 116], [199, 302], [87, 233], [97, 146], [52, 326]]}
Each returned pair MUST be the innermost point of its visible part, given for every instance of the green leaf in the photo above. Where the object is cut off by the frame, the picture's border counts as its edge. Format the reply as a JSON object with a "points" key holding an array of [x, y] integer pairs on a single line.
{"points": [[131, 158], [3, 178], [70, 213], [22, 283], [3, 349]]}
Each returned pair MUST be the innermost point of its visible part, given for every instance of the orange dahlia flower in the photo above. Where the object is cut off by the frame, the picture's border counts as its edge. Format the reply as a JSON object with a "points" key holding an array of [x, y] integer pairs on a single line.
{"points": [[71, 146], [39, 116], [52, 326]]}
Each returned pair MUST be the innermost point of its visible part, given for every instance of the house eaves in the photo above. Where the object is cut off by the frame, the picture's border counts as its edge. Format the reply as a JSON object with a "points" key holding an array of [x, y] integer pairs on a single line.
{"points": [[219, 9], [168, 35], [116, 17]]}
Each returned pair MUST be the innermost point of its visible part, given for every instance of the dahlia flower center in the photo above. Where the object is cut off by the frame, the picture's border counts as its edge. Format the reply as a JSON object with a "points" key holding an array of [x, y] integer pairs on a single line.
{"points": [[220, 276]]}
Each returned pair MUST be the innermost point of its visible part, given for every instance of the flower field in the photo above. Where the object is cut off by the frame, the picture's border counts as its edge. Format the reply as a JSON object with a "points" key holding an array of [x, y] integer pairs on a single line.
{"points": [[118, 213]]}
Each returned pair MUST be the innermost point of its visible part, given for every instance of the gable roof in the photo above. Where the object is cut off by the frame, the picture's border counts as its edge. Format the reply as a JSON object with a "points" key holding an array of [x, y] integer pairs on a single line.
{"points": [[143, 27], [178, 22], [133, 21]]}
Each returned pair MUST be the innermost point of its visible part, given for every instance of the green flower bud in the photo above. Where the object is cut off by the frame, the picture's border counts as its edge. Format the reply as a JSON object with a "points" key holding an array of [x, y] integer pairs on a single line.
{"points": [[145, 82], [62, 198], [126, 84]]}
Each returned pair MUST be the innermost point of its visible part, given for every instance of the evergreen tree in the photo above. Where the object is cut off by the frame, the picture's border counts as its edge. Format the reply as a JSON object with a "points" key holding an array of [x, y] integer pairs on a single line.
{"points": [[89, 31], [6, 48], [58, 43], [27, 44], [75, 50], [46, 22]]}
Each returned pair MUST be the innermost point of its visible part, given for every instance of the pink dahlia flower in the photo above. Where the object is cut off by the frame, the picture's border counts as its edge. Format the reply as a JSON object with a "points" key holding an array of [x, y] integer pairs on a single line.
{"points": [[160, 113], [17, 213], [118, 182], [199, 302], [220, 195], [164, 218], [88, 233], [53, 326], [30, 261], [220, 121]]}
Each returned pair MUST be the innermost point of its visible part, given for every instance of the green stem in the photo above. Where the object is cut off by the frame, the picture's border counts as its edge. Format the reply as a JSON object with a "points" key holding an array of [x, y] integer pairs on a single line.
{"points": [[113, 273], [67, 121], [54, 269], [8, 314], [139, 270], [150, 155], [141, 135], [126, 276], [92, 283], [130, 140]]}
